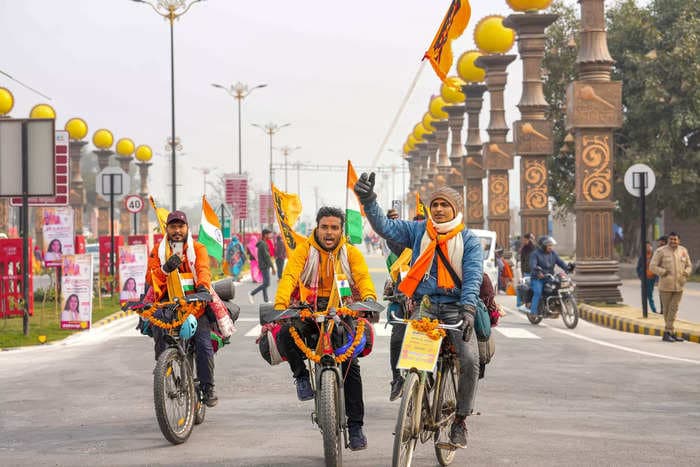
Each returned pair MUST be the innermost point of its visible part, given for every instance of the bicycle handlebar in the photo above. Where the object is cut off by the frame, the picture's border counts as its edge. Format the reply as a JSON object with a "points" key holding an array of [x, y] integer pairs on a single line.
{"points": [[453, 327]]}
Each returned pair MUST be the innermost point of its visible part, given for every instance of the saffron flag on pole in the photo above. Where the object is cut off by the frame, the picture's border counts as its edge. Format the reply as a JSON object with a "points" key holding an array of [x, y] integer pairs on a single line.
{"points": [[287, 210], [420, 207], [453, 25], [353, 211], [210, 231]]}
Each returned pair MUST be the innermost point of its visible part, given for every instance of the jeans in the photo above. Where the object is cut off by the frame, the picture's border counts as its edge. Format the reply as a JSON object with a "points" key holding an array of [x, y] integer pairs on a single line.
{"points": [[518, 295], [280, 267], [352, 388], [650, 294], [204, 352], [396, 340], [536, 285], [265, 283]]}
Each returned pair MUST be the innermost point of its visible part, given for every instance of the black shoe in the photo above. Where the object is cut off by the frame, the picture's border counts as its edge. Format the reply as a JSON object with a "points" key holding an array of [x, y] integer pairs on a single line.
{"points": [[304, 390], [396, 388], [668, 337], [210, 398], [458, 434], [677, 338], [358, 440]]}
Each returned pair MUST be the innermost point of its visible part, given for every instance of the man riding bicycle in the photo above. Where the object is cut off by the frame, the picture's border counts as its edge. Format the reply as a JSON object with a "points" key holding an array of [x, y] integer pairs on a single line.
{"points": [[310, 275], [447, 267], [191, 259]]}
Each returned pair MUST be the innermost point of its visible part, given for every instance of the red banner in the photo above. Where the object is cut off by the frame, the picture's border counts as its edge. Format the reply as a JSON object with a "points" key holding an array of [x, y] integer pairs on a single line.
{"points": [[11, 293], [237, 194], [267, 213]]}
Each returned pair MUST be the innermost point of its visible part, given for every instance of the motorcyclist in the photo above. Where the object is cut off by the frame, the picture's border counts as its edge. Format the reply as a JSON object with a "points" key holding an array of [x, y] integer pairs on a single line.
{"points": [[190, 258], [431, 274], [542, 262], [310, 275]]}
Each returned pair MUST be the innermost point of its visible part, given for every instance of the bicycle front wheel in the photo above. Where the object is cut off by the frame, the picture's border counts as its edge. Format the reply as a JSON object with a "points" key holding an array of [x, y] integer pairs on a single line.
{"points": [[328, 419], [407, 423], [446, 407], [174, 396]]}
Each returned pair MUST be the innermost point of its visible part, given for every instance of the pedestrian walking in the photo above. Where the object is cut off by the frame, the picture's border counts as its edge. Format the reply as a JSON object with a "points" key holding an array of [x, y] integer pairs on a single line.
{"points": [[280, 255], [673, 266], [528, 246], [265, 264], [644, 273]]}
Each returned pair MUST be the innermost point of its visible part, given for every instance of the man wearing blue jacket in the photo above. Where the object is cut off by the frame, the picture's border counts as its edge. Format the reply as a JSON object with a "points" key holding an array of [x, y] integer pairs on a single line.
{"points": [[447, 267], [542, 261]]}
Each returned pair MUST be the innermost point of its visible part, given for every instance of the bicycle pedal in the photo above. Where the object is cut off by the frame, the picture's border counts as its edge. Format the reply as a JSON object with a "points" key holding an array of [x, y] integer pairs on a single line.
{"points": [[445, 445]]}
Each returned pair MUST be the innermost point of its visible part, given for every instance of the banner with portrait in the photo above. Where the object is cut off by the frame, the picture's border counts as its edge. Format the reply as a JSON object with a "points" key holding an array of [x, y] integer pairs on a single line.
{"points": [[59, 236], [133, 261], [76, 292]]}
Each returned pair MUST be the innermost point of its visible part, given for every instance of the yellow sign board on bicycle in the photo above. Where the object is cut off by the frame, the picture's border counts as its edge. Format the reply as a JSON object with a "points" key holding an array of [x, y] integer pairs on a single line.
{"points": [[419, 351]]}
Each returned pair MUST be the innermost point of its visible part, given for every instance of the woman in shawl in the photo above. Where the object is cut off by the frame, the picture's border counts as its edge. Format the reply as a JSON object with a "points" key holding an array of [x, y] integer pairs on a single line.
{"points": [[235, 258], [252, 251]]}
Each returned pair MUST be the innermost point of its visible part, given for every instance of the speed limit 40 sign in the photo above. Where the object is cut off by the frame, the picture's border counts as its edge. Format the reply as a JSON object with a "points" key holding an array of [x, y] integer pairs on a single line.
{"points": [[133, 203]]}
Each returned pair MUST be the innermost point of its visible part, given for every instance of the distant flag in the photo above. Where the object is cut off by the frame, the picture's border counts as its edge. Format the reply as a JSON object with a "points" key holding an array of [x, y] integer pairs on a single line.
{"points": [[453, 25], [420, 207], [287, 210], [210, 232], [341, 281], [353, 211]]}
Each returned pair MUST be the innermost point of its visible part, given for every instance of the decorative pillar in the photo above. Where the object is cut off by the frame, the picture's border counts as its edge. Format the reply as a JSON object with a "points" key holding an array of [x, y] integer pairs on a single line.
{"points": [[532, 133], [456, 121], [143, 154], [422, 159], [429, 152], [594, 110], [7, 102], [473, 164], [77, 130], [102, 139]]}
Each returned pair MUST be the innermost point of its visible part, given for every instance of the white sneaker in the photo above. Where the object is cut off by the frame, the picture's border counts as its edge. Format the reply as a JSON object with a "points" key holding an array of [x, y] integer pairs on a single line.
{"points": [[251, 299]]}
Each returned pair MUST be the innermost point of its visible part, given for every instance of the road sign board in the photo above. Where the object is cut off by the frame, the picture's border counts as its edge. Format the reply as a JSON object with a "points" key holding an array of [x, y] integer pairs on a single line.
{"points": [[31, 140], [112, 181], [134, 204], [61, 177], [638, 174], [267, 216], [236, 191]]}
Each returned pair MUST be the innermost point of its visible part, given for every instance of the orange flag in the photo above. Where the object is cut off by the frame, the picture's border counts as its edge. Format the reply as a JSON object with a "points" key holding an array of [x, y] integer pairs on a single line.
{"points": [[454, 24]]}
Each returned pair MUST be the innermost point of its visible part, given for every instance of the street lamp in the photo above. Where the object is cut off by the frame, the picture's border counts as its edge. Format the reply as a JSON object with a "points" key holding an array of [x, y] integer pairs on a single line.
{"points": [[171, 10], [204, 171], [239, 91], [270, 129], [286, 151]]}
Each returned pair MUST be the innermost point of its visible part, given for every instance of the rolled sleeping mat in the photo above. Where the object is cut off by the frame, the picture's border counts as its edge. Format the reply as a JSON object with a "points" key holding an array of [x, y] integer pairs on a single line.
{"points": [[225, 289]]}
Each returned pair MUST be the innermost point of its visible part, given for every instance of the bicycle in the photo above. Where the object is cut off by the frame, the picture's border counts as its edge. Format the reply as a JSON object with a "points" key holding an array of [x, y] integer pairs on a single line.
{"points": [[177, 395], [429, 402], [324, 363]]}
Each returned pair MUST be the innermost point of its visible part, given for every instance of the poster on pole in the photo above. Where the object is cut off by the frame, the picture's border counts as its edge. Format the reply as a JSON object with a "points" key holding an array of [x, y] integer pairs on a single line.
{"points": [[59, 236], [267, 213], [133, 261], [76, 292]]}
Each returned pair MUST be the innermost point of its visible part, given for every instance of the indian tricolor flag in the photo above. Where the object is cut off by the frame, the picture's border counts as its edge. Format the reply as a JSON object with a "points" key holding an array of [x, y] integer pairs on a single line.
{"points": [[353, 210], [341, 281], [210, 231]]}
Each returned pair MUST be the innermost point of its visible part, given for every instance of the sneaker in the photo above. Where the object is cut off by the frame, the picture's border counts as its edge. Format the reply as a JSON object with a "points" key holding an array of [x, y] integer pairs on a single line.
{"points": [[677, 338], [523, 308], [358, 440], [458, 434], [210, 398], [251, 299], [668, 337], [304, 390], [396, 388]]}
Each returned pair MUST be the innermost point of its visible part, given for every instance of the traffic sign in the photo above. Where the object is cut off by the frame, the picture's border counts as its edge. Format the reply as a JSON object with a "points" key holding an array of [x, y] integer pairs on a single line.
{"points": [[61, 177], [637, 176], [112, 181], [134, 204]]}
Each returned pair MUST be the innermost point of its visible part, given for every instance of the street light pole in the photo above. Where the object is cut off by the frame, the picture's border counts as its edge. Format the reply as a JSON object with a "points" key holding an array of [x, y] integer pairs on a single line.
{"points": [[286, 151], [271, 129], [171, 10]]}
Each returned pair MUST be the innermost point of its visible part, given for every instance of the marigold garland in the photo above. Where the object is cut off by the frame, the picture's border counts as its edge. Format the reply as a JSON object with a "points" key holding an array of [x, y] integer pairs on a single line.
{"points": [[148, 314], [430, 327], [314, 357]]}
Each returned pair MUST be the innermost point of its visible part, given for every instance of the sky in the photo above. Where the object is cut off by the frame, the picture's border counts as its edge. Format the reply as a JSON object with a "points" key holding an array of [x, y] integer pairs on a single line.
{"points": [[335, 71]]}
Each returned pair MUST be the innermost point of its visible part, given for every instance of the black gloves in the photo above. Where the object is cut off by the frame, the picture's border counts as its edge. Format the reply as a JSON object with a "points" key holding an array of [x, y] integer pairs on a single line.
{"points": [[468, 315], [364, 188], [172, 264], [570, 267], [201, 288]]}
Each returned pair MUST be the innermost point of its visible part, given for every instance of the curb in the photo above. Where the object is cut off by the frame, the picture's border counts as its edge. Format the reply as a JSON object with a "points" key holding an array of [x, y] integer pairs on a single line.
{"points": [[610, 319], [113, 317]]}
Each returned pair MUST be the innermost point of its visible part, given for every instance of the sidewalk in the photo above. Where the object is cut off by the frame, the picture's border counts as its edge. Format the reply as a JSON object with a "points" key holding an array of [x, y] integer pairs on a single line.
{"points": [[629, 319]]}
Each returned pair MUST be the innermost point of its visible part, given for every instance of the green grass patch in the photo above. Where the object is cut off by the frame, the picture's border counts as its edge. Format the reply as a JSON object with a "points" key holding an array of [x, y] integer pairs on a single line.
{"points": [[46, 321], [694, 277]]}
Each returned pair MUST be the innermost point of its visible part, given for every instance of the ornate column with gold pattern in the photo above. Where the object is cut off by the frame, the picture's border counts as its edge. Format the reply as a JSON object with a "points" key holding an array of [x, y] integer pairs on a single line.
{"points": [[594, 110], [532, 133], [143, 155], [451, 92], [125, 150], [102, 139], [77, 130]]}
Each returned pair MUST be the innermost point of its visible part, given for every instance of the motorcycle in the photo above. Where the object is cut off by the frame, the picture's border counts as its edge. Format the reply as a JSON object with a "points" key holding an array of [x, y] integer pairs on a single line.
{"points": [[557, 299]]}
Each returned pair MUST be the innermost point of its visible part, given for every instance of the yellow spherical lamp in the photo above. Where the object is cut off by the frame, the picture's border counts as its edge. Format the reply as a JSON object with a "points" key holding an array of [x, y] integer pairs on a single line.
{"points": [[451, 90], [428, 122], [528, 5], [102, 139], [435, 108], [406, 148], [7, 101], [42, 111], [467, 69], [492, 37], [77, 128], [419, 131], [125, 147], [412, 141], [144, 153]]}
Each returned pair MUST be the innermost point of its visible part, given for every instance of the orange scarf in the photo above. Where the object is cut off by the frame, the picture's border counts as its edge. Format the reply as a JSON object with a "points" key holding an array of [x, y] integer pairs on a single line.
{"points": [[425, 260]]}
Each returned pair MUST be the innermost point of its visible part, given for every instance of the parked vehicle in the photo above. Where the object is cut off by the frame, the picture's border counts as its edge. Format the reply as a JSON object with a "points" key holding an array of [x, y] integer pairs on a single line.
{"points": [[488, 245]]}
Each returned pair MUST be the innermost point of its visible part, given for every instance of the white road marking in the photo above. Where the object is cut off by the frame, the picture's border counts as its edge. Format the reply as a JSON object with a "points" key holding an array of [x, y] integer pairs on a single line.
{"points": [[254, 332], [608, 344], [381, 330], [516, 333]]}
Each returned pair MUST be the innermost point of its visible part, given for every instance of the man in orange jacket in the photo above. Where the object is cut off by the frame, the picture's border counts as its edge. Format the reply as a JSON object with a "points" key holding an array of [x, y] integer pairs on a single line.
{"points": [[191, 260]]}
